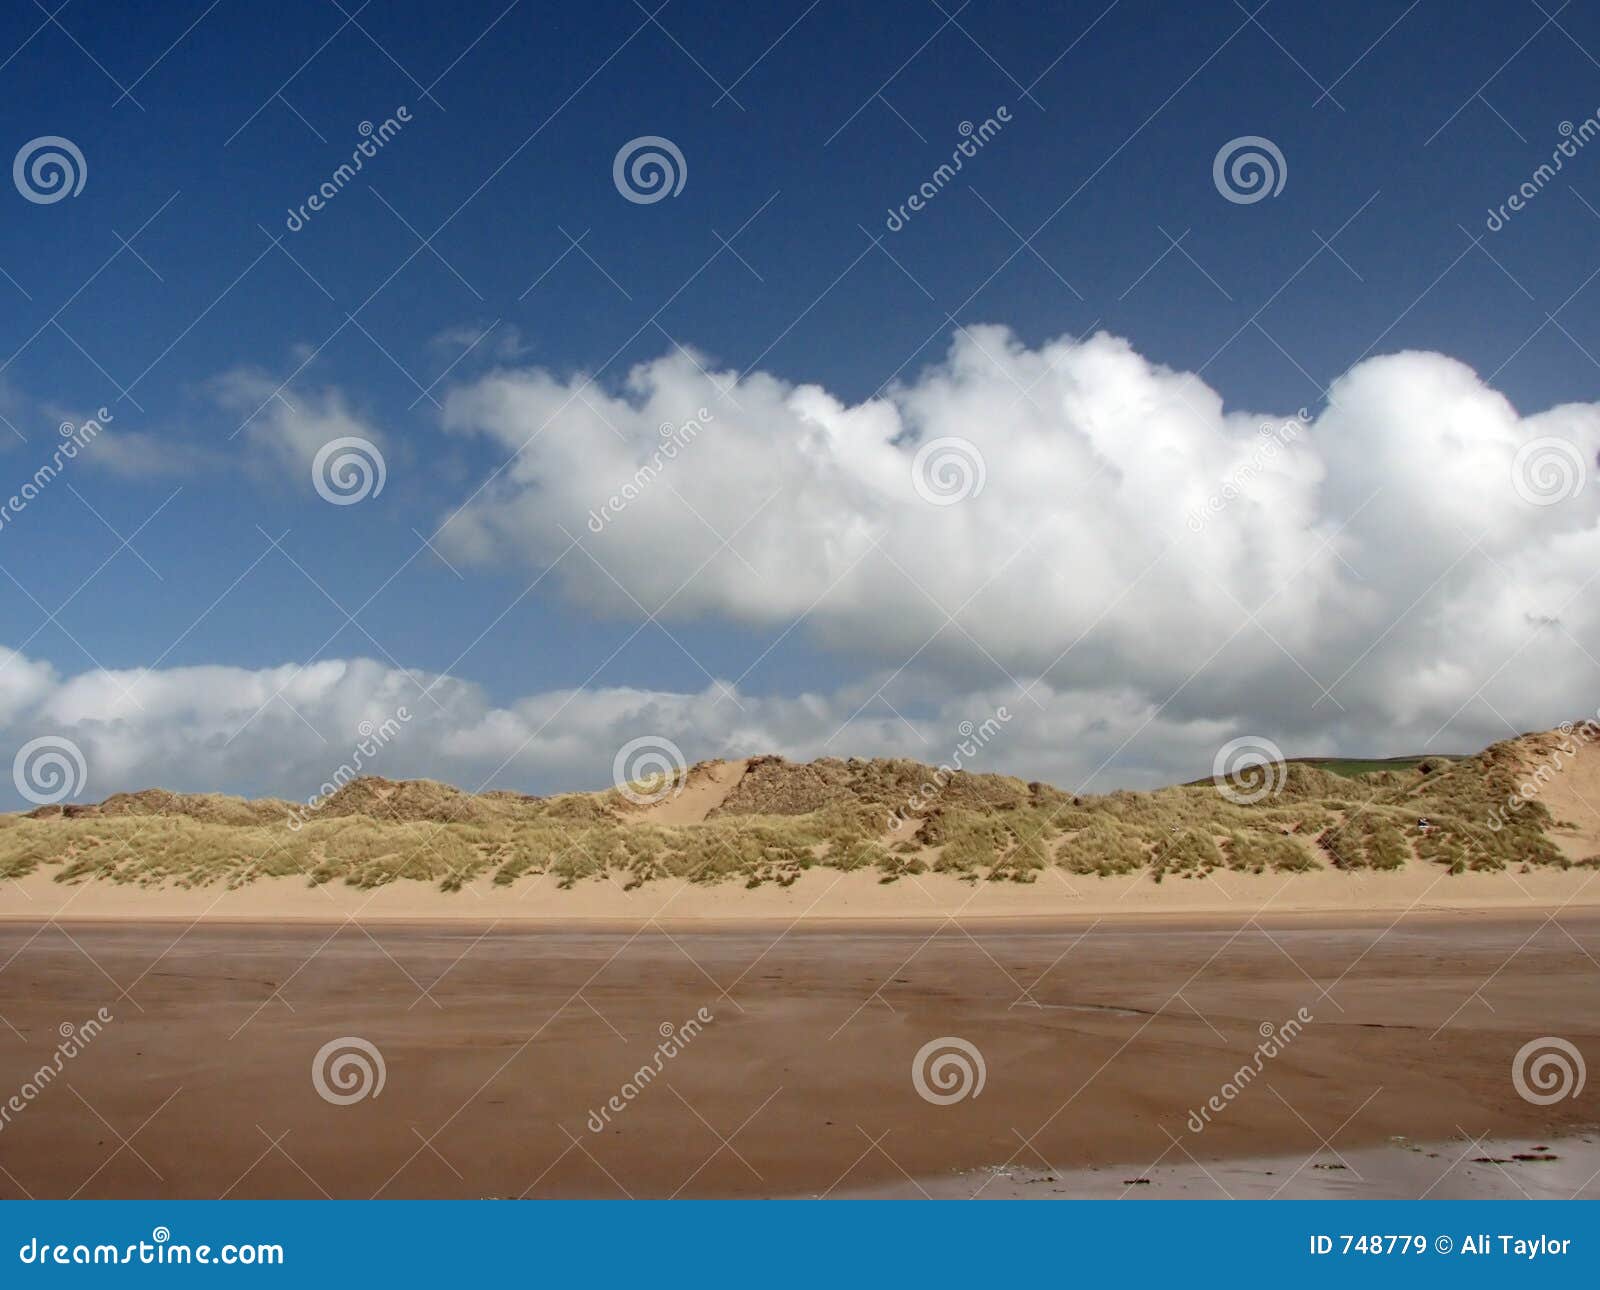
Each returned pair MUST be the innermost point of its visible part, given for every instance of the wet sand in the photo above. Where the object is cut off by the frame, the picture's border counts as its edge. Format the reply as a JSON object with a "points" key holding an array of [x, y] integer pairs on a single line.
{"points": [[1460, 1169], [1098, 1039]]}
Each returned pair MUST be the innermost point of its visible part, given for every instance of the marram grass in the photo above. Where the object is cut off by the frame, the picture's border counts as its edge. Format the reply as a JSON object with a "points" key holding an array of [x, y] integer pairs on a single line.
{"points": [[785, 818]]}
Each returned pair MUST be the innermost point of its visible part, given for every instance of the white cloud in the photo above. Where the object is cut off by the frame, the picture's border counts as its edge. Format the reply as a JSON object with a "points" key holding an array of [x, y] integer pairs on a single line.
{"points": [[1391, 551], [284, 428], [1384, 551], [497, 341], [112, 447], [23, 684], [285, 730], [139, 454]]}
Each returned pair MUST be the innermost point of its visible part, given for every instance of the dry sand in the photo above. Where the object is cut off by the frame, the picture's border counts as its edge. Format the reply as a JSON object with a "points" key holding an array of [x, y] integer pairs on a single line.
{"points": [[707, 787], [1105, 1011], [818, 894], [1570, 788], [499, 1042]]}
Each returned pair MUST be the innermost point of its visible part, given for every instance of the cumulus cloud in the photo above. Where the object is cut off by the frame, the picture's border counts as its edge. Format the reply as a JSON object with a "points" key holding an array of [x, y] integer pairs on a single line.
{"points": [[286, 730], [1412, 559], [1134, 570]]}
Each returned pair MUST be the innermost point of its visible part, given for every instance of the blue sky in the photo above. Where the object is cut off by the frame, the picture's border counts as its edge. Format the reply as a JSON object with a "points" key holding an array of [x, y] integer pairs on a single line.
{"points": [[171, 292]]}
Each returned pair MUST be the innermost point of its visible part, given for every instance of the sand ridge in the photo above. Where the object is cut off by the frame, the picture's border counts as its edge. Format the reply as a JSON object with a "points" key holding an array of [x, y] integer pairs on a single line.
{"points": [[1562, 769], [889, 830], [706, 787]]}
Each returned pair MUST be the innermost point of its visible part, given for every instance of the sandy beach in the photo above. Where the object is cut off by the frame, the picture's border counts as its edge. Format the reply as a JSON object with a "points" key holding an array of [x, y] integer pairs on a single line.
{"points": [[1462, 1168], [817, 894], [503, 1045]]}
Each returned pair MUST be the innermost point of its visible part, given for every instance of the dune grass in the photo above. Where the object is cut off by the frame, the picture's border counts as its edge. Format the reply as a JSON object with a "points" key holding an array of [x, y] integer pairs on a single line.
{"points": [[784, 819]]}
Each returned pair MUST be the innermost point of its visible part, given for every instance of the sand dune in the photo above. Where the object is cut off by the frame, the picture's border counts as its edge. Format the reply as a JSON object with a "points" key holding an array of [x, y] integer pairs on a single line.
{"points": [[1114, 961], [1563, 769], [705, 789], [762, 837]]}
